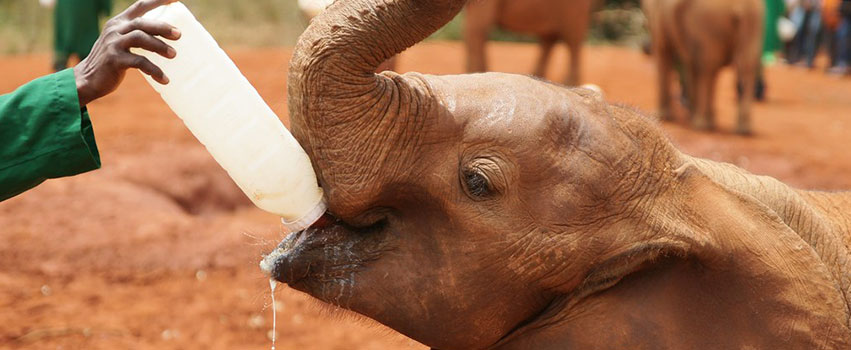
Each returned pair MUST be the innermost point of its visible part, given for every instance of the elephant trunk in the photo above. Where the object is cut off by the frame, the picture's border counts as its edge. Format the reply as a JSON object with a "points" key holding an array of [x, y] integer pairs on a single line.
{"points": [[351, 121]]}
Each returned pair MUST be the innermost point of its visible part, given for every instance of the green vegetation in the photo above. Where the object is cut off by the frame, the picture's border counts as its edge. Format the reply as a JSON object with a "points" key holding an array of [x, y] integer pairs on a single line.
{"points": [[27, 27]]}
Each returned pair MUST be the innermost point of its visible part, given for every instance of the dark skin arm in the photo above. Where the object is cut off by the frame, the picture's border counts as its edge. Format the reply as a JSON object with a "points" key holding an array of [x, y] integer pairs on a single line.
{"points": [[103, 70]]}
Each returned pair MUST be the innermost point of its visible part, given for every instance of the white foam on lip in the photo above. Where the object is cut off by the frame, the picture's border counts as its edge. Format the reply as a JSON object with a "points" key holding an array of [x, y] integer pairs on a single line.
{"points": [[268, 262]]}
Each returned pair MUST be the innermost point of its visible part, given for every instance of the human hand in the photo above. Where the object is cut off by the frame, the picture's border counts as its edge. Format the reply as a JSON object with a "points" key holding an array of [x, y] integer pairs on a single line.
{"points": [[103, 70]]}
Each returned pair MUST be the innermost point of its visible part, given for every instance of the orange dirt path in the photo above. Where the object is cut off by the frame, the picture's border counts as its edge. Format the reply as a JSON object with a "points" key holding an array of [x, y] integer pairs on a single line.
{"points": [[159, 250]]}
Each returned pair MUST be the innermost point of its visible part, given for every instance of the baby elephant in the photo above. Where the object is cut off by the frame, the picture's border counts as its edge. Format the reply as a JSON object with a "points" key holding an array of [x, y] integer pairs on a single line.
{"points": [[499, 212], [549, 20], [704, 36]]}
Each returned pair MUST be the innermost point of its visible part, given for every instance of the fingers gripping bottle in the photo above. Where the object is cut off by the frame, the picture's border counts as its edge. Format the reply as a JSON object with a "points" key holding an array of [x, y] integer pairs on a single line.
{"points": [[228, 116]]}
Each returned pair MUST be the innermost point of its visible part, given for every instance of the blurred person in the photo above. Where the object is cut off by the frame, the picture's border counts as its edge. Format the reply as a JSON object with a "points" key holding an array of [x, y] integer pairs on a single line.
{"points": [[76, 26], [45, 129], [843, 41], [830, 19], [774, 9], [793, 13], [807, 17]]}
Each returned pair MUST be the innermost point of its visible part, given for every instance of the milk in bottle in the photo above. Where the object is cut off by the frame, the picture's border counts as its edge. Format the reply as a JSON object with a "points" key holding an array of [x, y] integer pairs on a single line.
{"points": [[228, 116]]}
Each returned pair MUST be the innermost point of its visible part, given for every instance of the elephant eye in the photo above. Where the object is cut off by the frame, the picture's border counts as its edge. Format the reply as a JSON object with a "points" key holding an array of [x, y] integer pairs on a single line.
{"points": [[476, 183]]}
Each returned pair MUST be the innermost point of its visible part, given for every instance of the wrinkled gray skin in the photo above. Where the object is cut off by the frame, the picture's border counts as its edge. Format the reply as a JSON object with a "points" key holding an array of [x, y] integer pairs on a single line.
{"points": [[496, 211]]}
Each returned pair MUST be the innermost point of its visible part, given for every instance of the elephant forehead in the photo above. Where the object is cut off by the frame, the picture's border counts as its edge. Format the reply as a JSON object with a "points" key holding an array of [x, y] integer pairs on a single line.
{"points": [[506, 101]]}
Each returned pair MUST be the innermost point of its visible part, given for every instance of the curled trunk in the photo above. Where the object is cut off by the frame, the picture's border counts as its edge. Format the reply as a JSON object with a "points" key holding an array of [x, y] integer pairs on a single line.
{"points": [[341, 111]]}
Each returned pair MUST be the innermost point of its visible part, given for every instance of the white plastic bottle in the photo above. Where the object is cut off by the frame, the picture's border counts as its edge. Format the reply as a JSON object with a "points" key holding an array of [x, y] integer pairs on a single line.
{"points": [[228, 116]]}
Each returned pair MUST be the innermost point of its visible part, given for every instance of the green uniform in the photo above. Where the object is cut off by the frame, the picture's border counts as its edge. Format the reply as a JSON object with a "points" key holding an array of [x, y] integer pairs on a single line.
{"points": [[76, 27], [774, 9], [44, 134]]}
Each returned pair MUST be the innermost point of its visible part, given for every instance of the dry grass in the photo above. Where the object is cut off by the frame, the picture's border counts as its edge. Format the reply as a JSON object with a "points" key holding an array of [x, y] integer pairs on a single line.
{"points": [[26, 27]]}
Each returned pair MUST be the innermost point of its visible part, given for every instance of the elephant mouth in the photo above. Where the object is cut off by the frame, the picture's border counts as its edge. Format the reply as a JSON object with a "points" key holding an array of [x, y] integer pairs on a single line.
{"points": [[280, 264], [290, 262], [328, 251]]}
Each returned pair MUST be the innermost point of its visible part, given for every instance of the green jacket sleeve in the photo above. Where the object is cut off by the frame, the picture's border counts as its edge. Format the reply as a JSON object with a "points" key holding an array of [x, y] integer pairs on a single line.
{"points": [[44, 134]]}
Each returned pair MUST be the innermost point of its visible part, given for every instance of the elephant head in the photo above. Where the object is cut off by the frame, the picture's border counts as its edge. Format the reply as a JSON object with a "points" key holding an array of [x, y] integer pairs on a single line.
{"points": [[467, 209]]}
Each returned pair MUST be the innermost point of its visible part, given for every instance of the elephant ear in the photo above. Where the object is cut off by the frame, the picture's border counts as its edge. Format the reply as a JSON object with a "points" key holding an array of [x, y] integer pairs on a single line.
{"points": [[728, 228]]}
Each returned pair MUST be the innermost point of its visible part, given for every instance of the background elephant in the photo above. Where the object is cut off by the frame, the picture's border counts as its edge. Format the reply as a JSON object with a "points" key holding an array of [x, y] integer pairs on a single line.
{"points": [[549, 20], [704, 36], [498, 211]]}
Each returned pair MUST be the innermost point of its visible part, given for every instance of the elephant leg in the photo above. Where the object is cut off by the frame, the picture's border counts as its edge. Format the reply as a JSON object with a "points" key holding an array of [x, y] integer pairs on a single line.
{"points": [[573, 70], [703, 81], [684, 80], [710, 96], [546, 45], [747, 75], [748, 70], [664, 68], [476, 60], [480, 17]]}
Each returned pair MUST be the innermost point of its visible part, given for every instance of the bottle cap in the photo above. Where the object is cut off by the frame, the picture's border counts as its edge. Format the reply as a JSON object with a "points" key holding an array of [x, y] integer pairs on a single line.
{"points": [[308, 219]]}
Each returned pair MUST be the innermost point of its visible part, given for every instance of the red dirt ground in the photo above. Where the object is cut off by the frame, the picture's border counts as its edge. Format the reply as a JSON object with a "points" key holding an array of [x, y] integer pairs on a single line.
{"points": [[158, 250]]}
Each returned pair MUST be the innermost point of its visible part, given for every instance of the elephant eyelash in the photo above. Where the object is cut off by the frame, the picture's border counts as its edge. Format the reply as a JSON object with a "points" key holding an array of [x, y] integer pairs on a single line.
{"points": [[477, 184]]}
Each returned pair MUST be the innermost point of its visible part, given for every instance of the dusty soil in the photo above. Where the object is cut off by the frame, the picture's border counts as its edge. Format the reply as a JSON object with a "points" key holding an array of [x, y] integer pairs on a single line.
{"points": [[158, 250]]}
